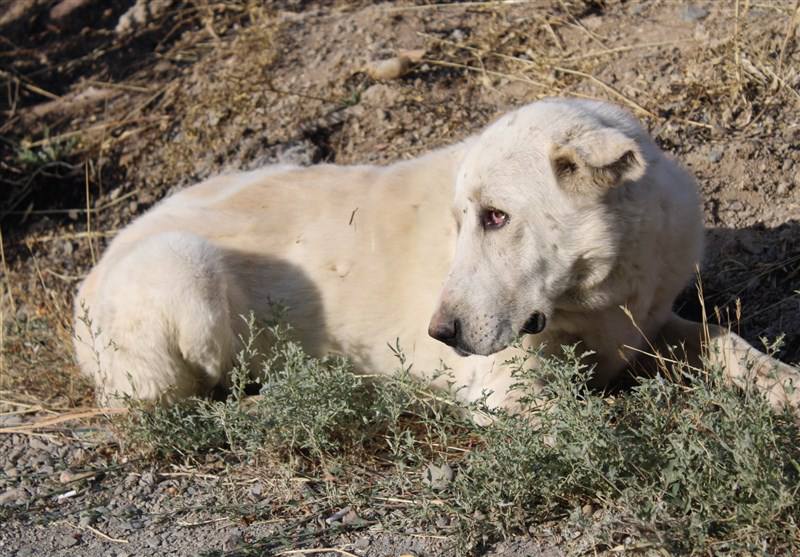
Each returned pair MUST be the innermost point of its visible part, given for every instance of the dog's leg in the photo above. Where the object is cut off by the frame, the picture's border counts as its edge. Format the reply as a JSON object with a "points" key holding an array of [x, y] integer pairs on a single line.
{"points": [[157, 324], [743, 365]]}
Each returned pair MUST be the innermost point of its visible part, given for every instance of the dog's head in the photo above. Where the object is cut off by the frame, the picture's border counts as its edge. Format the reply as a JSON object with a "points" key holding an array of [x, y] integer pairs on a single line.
{"points": [[537, 224]]}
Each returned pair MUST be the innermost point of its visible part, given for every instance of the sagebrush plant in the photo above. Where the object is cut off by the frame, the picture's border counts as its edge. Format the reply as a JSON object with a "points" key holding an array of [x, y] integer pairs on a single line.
{"points": [[689, 467]]}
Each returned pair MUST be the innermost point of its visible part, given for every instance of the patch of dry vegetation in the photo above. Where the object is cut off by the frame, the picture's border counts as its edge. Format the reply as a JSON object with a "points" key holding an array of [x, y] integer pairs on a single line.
{"points": [[681, 465]]}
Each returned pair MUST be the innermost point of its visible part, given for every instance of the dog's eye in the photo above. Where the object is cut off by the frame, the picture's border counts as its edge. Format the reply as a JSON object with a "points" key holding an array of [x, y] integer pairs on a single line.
{"points": [[492, 218]]}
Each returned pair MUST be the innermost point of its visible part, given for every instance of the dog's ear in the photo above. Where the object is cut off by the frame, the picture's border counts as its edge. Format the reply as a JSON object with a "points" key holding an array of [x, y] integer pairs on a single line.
{"points": [[597, 159]]}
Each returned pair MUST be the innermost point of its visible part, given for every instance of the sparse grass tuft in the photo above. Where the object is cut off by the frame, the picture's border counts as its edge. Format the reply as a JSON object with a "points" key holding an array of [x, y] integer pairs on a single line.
{"points": [[690, 468]]}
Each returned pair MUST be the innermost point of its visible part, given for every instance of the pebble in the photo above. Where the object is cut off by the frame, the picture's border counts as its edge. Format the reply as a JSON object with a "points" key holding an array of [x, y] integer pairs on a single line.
{"points": [[361, 543], [385, 70], [438, 477], [693, 12], [715, 155], [37, 444], [256, 489], [9, 421], [11, 495], [68, 476], [68, 541]]}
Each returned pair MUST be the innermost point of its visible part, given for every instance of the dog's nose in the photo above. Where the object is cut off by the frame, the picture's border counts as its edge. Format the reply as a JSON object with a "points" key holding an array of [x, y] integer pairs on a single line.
{"points": [[535, 323], [445, 330]]}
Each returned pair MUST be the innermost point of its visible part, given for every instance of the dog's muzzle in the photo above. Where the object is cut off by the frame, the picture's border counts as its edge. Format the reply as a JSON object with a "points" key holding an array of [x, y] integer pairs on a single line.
{"points": [[535, 323]]}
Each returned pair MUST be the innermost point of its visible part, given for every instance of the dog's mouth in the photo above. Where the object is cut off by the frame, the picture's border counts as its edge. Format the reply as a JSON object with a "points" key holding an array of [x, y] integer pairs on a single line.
{"points": [[535, 324], [461, 352]]}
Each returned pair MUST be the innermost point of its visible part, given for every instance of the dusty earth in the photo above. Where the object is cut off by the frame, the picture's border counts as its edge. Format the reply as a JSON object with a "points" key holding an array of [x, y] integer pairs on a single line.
{"points": [[107, 108]]}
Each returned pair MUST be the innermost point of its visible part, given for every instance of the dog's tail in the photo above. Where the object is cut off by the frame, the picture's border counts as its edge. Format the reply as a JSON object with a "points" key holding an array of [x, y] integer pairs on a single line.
{"points": [[154, 321], [743, 365]]}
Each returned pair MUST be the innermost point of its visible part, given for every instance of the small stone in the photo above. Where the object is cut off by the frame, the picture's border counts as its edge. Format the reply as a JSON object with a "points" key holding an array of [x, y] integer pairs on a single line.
{"points": [[783, 189], [256, 489], [351, 517], [693, 12], [715, 155], [37, 444], [11, 495], [386, 70], [67, 476], [438, 477], [361, 543], [9, 421], [24, 552], [11, 472], [592, 22], [68, 541]]}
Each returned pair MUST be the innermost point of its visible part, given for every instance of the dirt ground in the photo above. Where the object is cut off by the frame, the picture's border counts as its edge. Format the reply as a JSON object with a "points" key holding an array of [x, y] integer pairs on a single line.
{"points": [[106, 108]]}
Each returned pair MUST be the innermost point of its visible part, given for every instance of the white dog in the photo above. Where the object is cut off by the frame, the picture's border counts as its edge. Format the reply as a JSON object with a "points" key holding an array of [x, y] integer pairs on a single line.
{"points": [[568, 224]]}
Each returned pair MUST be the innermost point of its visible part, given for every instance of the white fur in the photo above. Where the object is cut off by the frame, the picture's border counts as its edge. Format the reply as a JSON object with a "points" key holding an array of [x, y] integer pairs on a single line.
{"points": [[599, 218]]}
